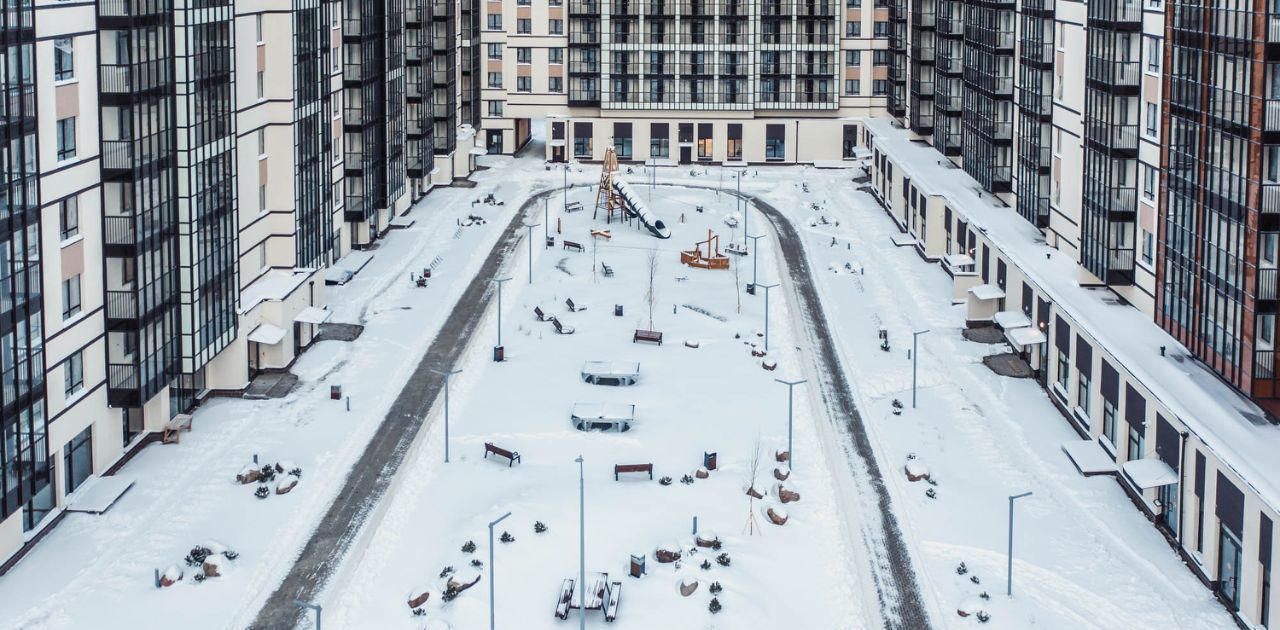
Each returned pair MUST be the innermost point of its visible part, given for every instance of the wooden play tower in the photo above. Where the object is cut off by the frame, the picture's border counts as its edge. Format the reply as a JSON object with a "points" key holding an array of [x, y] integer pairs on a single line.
{"points": [[712, 259], [608, 198]]}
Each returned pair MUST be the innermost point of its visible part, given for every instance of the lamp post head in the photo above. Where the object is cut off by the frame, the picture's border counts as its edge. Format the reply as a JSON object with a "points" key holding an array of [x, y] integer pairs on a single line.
{"points": [[578, 460], [1018, 496], [921, 332]]}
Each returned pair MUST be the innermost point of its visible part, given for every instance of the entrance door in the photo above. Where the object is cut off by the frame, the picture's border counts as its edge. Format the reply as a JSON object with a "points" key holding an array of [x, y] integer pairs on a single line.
{"points": [[557, 154], [1169, 503], [686, 155], [1229, 569], [494, 141]]}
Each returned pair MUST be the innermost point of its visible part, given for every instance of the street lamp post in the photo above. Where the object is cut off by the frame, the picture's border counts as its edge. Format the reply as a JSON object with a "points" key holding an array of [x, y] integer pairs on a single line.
{"points": [[491, 596], [546, 223], [582, 546], [566, 185], [755, 247], [742, 205], [1009, 575], [530, 227], [791, 385], [766, 288], [446, 375], [498, 348], [315, 607], [915, 357]]}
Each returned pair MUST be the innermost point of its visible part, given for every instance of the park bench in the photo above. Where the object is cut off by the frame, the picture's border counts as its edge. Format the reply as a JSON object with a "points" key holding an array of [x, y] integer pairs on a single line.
{"points": [[561, 329], [570, 245], [542, 317], [652, 336], [574, 206], [606, 270], [632, 468], [172, 428], [573, 308], [512, 456]]}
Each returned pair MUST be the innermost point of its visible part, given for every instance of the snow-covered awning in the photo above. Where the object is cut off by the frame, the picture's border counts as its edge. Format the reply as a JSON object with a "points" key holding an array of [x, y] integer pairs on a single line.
{"points": [[1024, 336], [1149, 473], [1089, 457], [1011, 319], [313, 315], [555, 142], [604, 411], [987, 292], [266, 334], [958, 260]]}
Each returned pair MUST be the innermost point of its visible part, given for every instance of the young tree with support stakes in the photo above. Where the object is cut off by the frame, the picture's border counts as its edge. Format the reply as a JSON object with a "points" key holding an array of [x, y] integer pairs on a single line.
{"points": [[650, 296]]}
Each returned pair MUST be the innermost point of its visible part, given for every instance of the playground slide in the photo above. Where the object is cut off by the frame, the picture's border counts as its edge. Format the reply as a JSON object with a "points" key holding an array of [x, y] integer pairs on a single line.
{"points": [[637, 205]]}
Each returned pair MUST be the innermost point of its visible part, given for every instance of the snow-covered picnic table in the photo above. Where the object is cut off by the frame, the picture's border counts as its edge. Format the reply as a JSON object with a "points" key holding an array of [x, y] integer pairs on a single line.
{"points": [[610, 372]]}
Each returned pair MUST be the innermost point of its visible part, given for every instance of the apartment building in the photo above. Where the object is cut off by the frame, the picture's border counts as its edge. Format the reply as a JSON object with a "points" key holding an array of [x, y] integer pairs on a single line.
{"points": [[684, 81], [171, 210]]}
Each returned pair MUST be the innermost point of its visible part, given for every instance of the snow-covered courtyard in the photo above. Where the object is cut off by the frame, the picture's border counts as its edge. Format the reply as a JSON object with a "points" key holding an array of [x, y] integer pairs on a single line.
{"points": [[1084, 557]]}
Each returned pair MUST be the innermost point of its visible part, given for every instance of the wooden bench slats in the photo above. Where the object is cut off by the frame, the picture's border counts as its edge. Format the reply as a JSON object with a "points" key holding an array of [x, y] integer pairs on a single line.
{"points": [[652, 336], [632, 468], [512, 456]]}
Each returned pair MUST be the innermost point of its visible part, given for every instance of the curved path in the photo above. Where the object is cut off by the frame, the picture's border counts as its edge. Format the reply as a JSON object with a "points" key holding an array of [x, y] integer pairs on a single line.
{"points": [[371, 474]]}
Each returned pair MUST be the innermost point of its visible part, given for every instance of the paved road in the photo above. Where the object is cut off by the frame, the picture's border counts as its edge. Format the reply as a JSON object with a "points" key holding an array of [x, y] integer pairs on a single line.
{"points": [[901, 601], [371, 474]]}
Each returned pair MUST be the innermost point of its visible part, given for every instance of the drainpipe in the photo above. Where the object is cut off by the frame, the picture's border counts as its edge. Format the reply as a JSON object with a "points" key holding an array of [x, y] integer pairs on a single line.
{"points": [[1182, 475]]}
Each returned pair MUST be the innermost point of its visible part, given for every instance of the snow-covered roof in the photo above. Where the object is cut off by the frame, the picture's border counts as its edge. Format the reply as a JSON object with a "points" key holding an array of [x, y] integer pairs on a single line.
{"points": [[313, 315], [266, 334], [1089, 457], [1011, 319], [958, 260], [1149, 473], [611, 368], [604, 411], [987, 292], [1024, 336], [1230, 425], [275, 284]]}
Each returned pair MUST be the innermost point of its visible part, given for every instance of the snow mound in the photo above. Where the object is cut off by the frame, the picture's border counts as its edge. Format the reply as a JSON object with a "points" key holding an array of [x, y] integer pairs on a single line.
{"points": [[916, 470]]}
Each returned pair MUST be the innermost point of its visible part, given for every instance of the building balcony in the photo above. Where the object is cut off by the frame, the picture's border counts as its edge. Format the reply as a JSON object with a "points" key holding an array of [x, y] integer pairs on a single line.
{"points": [[919, 87], [950, 26], [132, 8], [122, 305], [948, 64], [138, 77], [923, 19], [922, 54], [1267, 288], [1270, 199], [1120, 203], [1272, 115], [1111, 136], [1114, 73], [1119, 13], [1264, 365], [584, 39], [123, 385], [1036, 157], [1037, 52], [949, 103]]}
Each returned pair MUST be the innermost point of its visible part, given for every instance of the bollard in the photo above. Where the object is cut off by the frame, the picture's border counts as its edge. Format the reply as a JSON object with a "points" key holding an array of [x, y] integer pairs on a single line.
{"points": [[255, 459], [348, 403], [157, 577], [695, 525]]}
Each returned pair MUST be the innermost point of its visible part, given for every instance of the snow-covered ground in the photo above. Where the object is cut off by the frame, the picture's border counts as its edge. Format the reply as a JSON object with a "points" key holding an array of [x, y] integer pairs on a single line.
{"points": [[715, 397], [1085, 558], [96, 571]]}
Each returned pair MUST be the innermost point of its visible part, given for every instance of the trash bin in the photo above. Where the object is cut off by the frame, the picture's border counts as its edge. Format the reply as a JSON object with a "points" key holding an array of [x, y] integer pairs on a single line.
{"points": [[751, 288], [335, 392], [498, 353], [617, 310]]}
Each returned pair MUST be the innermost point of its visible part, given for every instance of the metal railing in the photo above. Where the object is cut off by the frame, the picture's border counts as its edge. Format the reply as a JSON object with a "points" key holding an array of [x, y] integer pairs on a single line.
{"points": [[1267, 278], [122, 376], [1119, 73], [119, 230], [1122, 137], [127, 78], [1270, 199], [122, 305]]}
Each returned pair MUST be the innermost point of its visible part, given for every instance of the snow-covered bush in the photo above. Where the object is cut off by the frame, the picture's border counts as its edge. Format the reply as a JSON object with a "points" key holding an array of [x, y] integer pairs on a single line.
{"points": [[931, 493], [539, 527], [468, 547], [984, 595], [961, 570], [419, 612], [447, 571], [477, 563], [714, 606], [982, 616], [197, 556], [268, 473], [262, 492], [975, 579], [686, 480], [666, 481], [296, 472], [706, 565], [723, 559], [506, 537], [715, 588]]}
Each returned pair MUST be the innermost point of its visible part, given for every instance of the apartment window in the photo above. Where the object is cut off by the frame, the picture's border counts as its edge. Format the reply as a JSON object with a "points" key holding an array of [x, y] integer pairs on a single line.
{"points": [[495, 79], [853, 29], [77, 459], [262, 143], [1148, 247], [262, 84], [495, 21], [262, 197], [1064, 373], [879, 87], [849, 147], [69, 217], [1153, 119], [734, 148], [555, 27], [64, 60], [495, 108], [73, 374], [853, 57], [1084, 398], [555, 84], [257, 28], [705, 139], [879, 57], [555, 3], [582, 137], [775, 142], [555, 55], [881, 29], [1136, 439], [852, 87], [622, 140], [1153, 54], [524, 55], [1149, 183], [1109, 420], [71, 297], [524, 3], [495, 51], [66, 138], [659, 140], [853, 4], [524, 84], [1266, 332], [1268, 242], [524, 26]]}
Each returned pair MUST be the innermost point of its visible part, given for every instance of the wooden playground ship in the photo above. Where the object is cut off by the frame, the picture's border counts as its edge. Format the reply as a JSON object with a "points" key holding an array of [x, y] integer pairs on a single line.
{"points": [[711, 259]]}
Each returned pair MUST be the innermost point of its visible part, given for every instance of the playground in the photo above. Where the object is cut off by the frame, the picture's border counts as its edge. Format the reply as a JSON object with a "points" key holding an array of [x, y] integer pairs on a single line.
{"points": [[654, 371]]}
